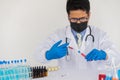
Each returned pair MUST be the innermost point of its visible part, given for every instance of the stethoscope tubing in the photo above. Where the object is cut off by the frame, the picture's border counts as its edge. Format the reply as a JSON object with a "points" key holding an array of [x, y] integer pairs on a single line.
{"points": [[90, 34]]}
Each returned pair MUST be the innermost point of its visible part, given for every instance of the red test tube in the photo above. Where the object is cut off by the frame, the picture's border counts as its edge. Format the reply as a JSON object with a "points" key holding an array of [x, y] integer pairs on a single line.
{"points": [[102, 76]]}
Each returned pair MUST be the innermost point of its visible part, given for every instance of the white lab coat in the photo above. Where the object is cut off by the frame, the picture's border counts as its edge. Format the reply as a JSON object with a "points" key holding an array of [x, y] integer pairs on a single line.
{"points": [[77, 66]]}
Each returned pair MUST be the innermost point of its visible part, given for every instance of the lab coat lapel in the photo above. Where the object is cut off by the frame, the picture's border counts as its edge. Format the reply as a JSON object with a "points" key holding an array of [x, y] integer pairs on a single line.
{"points": [[84, 43]]}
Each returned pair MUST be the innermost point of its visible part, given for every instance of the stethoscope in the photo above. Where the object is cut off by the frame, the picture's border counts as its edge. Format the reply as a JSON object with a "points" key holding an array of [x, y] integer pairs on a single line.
{"points": [[89, 35]]}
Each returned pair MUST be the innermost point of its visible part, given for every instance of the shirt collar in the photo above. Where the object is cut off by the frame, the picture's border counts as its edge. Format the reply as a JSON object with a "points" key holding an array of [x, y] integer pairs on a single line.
{"points": [[75, 33]]}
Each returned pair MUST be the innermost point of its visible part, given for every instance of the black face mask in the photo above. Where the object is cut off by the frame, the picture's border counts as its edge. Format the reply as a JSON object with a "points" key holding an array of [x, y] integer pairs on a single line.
{"points": [[79, 27]]}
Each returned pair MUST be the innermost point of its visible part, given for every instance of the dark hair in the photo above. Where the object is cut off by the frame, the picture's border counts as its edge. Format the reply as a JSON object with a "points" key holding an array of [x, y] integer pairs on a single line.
{"points": [[78, 4]]}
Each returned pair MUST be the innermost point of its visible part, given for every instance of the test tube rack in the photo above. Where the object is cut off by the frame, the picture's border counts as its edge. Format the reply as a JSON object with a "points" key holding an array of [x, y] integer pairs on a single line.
{"points": [[16, 73], [16, 70]]}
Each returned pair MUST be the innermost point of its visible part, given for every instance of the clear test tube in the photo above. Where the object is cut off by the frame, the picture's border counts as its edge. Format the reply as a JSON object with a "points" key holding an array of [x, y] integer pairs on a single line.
{"points": [[29, 73], [19, 68], [4, 64], [11, 76], [115, 76], [22, 72], [16, 73], [1, 74]]}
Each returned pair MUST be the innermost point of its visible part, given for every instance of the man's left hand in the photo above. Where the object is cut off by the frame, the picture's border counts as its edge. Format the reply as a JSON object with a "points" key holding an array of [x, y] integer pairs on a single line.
{"points": [[96, 55]]}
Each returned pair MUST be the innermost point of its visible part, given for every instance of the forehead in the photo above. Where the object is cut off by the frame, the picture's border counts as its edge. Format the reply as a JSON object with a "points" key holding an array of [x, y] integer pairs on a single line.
{"points": [[78, 13]]}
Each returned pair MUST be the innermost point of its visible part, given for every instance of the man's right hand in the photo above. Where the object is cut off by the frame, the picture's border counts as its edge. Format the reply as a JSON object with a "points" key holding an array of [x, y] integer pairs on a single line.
{"points": [[57, 51]]}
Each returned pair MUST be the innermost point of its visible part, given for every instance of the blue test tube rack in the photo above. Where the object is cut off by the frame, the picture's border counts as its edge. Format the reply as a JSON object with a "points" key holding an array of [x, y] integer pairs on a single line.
{"points": [[14, 70]]}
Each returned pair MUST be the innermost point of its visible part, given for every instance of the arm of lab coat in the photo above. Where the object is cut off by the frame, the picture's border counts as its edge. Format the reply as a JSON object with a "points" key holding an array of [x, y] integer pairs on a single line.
{"points": [[109, 48]]}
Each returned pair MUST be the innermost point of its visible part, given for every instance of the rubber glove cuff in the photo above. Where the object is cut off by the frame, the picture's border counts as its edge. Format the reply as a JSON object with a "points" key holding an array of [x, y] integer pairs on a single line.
{"points": [[104, 54]]}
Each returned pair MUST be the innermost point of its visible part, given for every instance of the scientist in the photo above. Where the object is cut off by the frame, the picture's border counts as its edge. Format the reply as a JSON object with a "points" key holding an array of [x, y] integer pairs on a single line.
{"points": [[79, 47]]}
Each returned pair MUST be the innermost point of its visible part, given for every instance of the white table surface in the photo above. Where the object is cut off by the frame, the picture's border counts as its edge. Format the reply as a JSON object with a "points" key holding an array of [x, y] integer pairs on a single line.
{"points": [[58, 75]]}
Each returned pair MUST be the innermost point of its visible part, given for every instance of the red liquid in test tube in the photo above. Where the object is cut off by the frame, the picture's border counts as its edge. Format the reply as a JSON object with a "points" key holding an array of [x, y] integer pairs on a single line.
{"points": [[102, 77], [83, 55]]}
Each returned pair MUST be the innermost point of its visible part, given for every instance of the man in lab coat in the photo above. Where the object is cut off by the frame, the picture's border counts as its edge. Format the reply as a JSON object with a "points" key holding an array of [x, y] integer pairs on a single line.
{"points": [[81, 50]]}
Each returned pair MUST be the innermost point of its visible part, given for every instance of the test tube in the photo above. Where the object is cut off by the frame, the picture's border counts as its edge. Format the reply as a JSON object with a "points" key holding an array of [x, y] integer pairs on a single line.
{"points": [[115, 77], [67, 56], [29, 72], [118, 73], [102, 76]]}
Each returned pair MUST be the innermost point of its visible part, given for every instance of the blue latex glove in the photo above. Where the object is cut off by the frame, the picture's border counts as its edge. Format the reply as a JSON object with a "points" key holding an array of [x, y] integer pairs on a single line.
{"points": [[118, 72], [96, 55], [57, 51]]}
